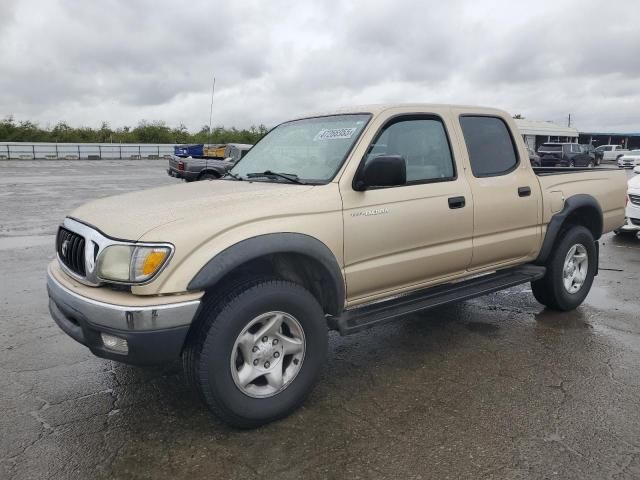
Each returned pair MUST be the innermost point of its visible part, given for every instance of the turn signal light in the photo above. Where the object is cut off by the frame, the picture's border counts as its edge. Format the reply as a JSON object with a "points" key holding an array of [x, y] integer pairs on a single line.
{"points": [[153, 261]]}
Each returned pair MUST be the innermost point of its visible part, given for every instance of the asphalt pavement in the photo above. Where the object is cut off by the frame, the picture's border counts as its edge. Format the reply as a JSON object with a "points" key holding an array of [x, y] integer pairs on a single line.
{"points": [[494, 388]]}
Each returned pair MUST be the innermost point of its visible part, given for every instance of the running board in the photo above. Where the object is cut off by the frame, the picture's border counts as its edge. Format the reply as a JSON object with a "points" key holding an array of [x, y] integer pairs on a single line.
{"points": [[366, 316]]}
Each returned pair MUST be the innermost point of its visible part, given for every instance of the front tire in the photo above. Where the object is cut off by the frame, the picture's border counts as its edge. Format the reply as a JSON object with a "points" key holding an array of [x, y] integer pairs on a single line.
{"points": [[258, 352], [570, 271]]}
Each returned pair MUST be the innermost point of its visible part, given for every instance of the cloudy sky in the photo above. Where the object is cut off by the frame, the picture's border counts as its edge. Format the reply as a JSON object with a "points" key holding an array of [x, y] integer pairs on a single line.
{"points": [[122, 61]]}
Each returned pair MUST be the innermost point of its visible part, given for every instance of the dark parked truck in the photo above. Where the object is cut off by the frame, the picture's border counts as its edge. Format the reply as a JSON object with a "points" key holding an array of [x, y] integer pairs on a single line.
{"points": [[206, 168], [333, 222], [192, 169]]}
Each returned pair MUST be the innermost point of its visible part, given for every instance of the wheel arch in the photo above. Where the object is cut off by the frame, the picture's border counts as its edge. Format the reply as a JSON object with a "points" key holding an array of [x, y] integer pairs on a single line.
{"points": [[212, 171], [291, 256], [581, 209]]}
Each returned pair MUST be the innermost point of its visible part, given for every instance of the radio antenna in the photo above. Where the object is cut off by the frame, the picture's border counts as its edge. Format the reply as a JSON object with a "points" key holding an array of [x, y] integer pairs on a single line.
{"points": [[213, 89]]}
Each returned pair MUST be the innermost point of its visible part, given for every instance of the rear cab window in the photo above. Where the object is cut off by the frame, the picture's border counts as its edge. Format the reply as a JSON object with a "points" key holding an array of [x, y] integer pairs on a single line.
{"points": [[492, 151], [550, 147]]}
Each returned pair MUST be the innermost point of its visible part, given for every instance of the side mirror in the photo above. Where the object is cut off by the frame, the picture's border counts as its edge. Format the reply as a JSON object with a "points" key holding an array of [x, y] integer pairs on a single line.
{"points": [[382, 171], [636, 170]]}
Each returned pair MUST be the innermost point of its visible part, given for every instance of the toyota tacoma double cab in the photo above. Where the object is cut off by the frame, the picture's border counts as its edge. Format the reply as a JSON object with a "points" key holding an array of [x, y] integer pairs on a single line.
{"points": [[338, 221]]}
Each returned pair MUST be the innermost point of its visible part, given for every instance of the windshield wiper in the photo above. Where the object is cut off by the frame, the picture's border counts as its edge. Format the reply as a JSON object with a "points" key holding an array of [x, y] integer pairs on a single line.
{"points": [[233, 175], [268, 173]]}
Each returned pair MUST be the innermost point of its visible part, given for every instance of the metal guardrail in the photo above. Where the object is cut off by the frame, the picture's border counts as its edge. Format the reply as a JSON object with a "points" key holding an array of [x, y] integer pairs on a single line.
{"points": [[83, 151]]}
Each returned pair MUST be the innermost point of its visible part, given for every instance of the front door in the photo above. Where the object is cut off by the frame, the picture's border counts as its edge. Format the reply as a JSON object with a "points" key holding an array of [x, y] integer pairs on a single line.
{"points": [[401, 237]]}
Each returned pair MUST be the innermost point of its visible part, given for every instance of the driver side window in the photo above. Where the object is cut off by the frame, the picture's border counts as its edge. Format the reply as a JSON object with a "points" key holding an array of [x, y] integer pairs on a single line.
{"points": [[423, 144]]}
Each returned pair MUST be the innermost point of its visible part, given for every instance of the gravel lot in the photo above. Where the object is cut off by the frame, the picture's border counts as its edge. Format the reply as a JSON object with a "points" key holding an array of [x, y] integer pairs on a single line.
{"points": [[492, 388]]}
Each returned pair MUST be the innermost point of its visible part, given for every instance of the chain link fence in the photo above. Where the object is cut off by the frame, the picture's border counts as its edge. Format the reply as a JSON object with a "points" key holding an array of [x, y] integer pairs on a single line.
{"points": [[84, 151]]}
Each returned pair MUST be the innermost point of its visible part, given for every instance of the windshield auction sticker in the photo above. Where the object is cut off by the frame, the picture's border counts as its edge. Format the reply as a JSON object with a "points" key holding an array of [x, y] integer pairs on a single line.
{"points": [[334, 133]]}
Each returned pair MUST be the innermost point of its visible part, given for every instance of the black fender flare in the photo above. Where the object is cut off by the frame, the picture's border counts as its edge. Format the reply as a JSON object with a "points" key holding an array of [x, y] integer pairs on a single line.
{"points": [[274, 243], [571, 205]]}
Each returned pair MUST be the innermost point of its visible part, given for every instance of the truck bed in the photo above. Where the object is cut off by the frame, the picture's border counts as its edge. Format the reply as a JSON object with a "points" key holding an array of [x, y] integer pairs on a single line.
{"points": [[608, 185], [542, 171]]}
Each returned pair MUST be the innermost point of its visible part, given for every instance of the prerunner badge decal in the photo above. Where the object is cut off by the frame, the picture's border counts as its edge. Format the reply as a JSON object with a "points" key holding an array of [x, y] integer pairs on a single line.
{"points": [[334, 133]]}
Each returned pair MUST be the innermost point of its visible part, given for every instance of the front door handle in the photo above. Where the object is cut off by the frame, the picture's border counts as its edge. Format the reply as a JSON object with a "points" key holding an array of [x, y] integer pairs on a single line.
{"points": [[524, 191], [456, 202]]}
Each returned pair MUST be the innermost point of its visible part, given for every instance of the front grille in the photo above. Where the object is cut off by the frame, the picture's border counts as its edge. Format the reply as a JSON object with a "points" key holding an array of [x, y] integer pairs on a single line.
{"points": [[635, 221], [70, 248], [635, 199]]}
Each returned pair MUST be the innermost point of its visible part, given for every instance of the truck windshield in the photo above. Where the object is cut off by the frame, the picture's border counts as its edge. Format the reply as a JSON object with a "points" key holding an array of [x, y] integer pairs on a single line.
{"points": [[311, 150]]}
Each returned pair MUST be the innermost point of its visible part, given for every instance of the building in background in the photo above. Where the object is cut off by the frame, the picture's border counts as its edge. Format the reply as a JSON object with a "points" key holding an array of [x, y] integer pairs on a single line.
{"points": [[536, 133], [627, 140]]}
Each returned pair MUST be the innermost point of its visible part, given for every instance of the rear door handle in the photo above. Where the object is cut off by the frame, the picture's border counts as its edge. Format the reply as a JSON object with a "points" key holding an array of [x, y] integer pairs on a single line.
{"points": [[456, 202], [524, 191]]}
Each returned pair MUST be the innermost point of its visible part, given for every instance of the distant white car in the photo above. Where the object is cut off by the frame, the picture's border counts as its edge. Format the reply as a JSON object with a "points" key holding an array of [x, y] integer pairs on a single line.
{"points": [[610, 153], [629, 160], [632, 212]]}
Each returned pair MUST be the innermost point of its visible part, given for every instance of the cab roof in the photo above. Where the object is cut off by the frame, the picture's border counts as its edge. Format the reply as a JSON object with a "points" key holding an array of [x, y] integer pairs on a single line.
{"points": [[376, 109]]}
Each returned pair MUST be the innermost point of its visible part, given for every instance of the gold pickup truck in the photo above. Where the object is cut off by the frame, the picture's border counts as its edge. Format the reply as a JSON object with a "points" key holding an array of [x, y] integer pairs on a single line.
{"points": [[335, 221]]}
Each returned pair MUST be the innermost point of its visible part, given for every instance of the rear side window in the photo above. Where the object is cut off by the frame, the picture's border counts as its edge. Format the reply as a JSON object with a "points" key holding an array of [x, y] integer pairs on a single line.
{"points": [[490, 145]]}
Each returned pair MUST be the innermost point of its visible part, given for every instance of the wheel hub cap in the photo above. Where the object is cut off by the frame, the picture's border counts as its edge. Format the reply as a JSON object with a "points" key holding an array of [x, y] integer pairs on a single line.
{"points": [[576, 267], [268, 354]]}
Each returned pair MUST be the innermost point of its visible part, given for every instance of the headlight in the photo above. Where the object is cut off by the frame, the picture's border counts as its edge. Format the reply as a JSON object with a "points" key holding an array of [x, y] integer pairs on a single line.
{"points": [[131, 264]]}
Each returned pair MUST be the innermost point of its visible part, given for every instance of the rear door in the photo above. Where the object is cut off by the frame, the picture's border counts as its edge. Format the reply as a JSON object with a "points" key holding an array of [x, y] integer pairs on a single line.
{"points": [[608, 152], [581, 157], [506, 193]]}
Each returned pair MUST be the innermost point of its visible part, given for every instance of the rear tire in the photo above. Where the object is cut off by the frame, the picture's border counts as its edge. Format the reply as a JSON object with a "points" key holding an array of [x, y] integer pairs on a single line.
{"points": [[218, 354], [569, 275], [208, 176]]}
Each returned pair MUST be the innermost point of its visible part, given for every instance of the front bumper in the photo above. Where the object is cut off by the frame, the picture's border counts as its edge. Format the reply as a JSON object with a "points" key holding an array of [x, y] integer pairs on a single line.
{"points": [[553, 162], [155, 334], [630, 225], [632, 216]]}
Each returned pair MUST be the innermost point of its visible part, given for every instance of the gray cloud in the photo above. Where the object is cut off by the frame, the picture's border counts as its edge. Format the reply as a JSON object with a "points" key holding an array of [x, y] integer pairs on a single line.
{"points": [[122, 61]]}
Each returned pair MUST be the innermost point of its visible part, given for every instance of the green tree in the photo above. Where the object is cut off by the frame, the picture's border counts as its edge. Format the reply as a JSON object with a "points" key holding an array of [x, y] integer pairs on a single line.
{"points": [[144, 132]]}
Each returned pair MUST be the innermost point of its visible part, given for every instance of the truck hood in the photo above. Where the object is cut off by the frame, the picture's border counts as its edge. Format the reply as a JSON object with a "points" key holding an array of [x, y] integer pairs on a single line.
{"points": [[131, 215], [634, 183]]}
